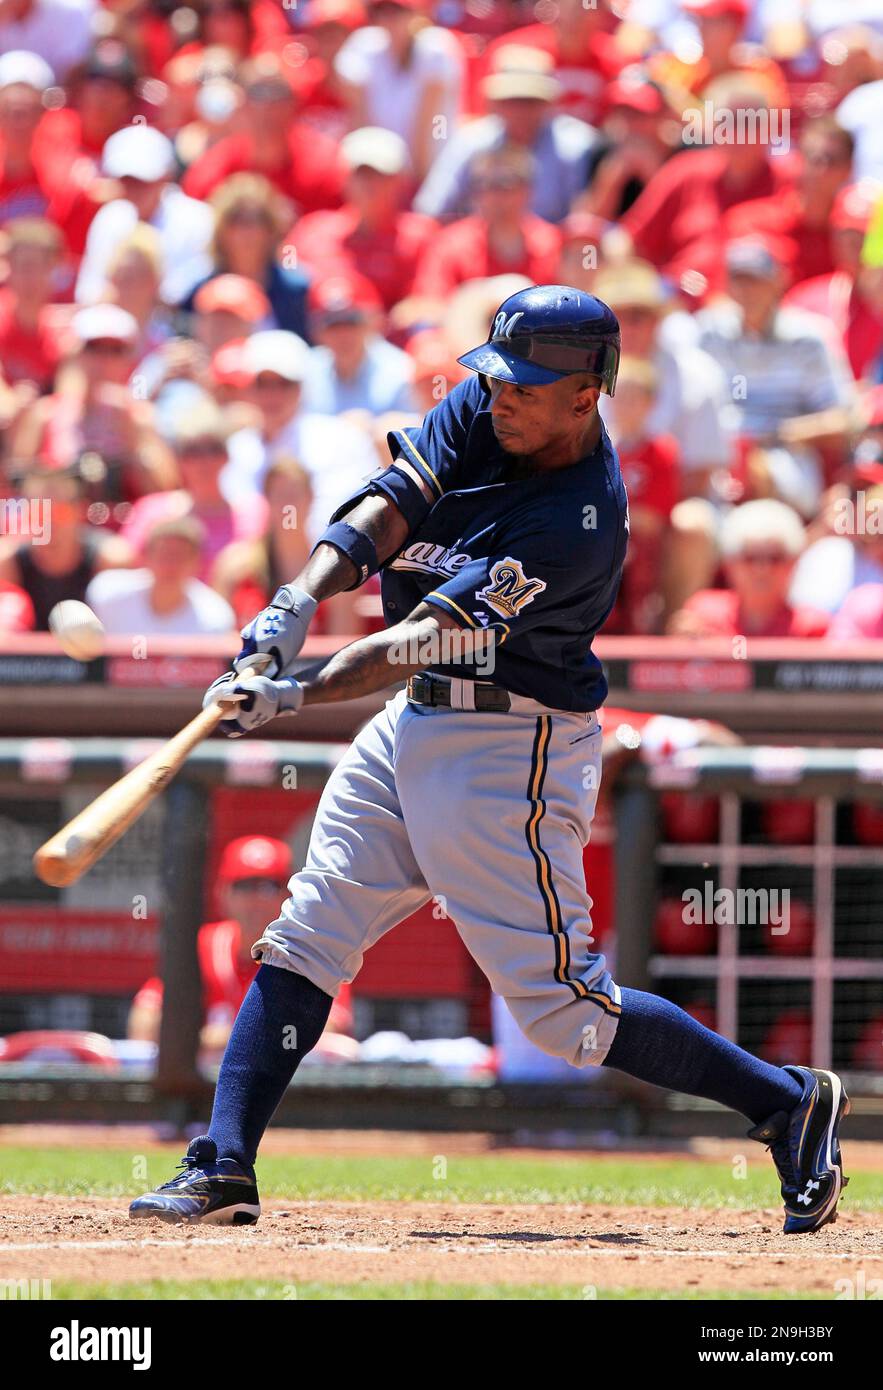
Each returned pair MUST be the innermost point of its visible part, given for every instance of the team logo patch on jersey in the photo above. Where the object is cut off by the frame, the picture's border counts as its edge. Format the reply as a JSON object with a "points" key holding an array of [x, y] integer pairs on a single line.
{"points": [[509, 590]]}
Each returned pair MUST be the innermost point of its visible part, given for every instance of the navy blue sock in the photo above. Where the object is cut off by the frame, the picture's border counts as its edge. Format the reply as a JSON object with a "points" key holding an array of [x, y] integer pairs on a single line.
{"points": [[282, 1017], [658, 1042]]}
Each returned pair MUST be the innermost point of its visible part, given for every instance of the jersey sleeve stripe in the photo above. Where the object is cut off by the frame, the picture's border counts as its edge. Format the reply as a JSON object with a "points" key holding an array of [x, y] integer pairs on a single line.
{"points": [[410, 472], [449, 603], [418, 459]]}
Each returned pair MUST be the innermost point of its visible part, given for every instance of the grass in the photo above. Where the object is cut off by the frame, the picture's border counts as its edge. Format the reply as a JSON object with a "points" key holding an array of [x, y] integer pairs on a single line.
{"points": [[253, 1290], [501, 1179]]}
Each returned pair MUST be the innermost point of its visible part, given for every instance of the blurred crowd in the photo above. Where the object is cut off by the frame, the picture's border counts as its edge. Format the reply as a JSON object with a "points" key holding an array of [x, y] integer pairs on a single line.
{"points": [[241, 240]]}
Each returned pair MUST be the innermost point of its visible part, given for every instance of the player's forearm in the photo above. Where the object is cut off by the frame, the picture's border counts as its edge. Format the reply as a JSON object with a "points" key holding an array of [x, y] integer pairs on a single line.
{"points": [[366, 666], [385, 658], [329, 572]]}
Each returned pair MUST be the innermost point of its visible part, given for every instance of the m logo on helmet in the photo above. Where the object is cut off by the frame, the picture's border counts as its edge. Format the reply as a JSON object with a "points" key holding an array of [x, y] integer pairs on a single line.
{"points": [[504, 327], [509, 590]]}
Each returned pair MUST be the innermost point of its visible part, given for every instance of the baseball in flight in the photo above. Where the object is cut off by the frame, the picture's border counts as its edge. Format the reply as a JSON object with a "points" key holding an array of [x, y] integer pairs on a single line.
{"points": [[77, 630]]}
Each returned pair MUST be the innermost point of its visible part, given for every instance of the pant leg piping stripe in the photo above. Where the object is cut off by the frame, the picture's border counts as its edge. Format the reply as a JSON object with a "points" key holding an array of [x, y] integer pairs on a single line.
{"points": [[604, 1002], [551, 904]]}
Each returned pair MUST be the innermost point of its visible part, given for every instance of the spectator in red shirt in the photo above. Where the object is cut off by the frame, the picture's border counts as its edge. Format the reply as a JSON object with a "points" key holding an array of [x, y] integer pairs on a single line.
{"points": [[29, 348], [226, 308], [721, 25], [676, 222], [328, 25], [436, 369], [802, 214], [253, 875], [33, 183], [16, 609], [300, 161], [589, 245], [203, 101], [641, 133], [502, 237], [581, 42], [760, 543], [373, 234], [102, 100], [842, 297], [244, 28], [93, 411], [650, 466]]}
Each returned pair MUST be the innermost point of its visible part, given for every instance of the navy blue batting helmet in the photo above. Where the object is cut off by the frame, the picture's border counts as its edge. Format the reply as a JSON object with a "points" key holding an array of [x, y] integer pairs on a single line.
{"points": [[546, 332]]}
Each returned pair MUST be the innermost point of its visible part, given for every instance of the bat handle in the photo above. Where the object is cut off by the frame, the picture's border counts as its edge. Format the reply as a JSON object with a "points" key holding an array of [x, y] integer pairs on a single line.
{"points": [[256, 667]]}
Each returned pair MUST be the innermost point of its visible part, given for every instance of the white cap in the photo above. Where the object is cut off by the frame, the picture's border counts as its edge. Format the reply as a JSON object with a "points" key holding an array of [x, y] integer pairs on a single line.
{"points": [[24, 68], [764, 521], [376, 148], [521, 72], [105, 321], [284, 354], [138, 152]]}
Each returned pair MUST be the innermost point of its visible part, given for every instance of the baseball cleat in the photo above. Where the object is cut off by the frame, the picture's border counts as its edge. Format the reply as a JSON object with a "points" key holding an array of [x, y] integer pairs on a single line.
{"points": [[805, 1147], [210, 1190]]}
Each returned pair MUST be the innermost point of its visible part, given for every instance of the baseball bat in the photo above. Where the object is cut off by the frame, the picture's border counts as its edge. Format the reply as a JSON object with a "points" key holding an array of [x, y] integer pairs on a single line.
{"points": [[81, 843]]}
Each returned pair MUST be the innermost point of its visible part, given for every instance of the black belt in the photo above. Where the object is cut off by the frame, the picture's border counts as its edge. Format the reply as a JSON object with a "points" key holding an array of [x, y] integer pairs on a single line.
{"points": [[424, 689]]}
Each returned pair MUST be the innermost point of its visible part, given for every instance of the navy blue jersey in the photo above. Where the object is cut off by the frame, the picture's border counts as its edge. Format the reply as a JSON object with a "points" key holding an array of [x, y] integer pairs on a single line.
{"points": [[536, 559]]}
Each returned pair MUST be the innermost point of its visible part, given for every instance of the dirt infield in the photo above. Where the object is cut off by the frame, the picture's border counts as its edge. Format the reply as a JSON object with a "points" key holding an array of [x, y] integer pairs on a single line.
{"points": [[89, 1240]]}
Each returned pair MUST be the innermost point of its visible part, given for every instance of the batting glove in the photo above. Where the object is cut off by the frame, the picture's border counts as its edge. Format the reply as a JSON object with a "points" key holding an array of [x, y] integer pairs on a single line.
{"points": [[278, 630], [260, 699]]}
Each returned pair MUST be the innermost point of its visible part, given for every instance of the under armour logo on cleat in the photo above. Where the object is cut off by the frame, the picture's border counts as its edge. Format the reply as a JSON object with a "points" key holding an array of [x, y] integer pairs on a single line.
{"points": [[805, 1195]]}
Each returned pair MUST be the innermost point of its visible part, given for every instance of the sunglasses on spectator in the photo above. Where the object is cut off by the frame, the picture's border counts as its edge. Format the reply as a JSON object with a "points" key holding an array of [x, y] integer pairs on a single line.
{"points": [[825, 159], [258, 885], [635, 313], [502, 183], [108, 347], [764, 557], [269, 381], [202, 448], [248, 217], [263, 93]]}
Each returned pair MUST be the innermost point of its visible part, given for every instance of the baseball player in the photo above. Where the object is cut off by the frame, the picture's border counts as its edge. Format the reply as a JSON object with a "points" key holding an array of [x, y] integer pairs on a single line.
{"points": [[499, 531]]}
